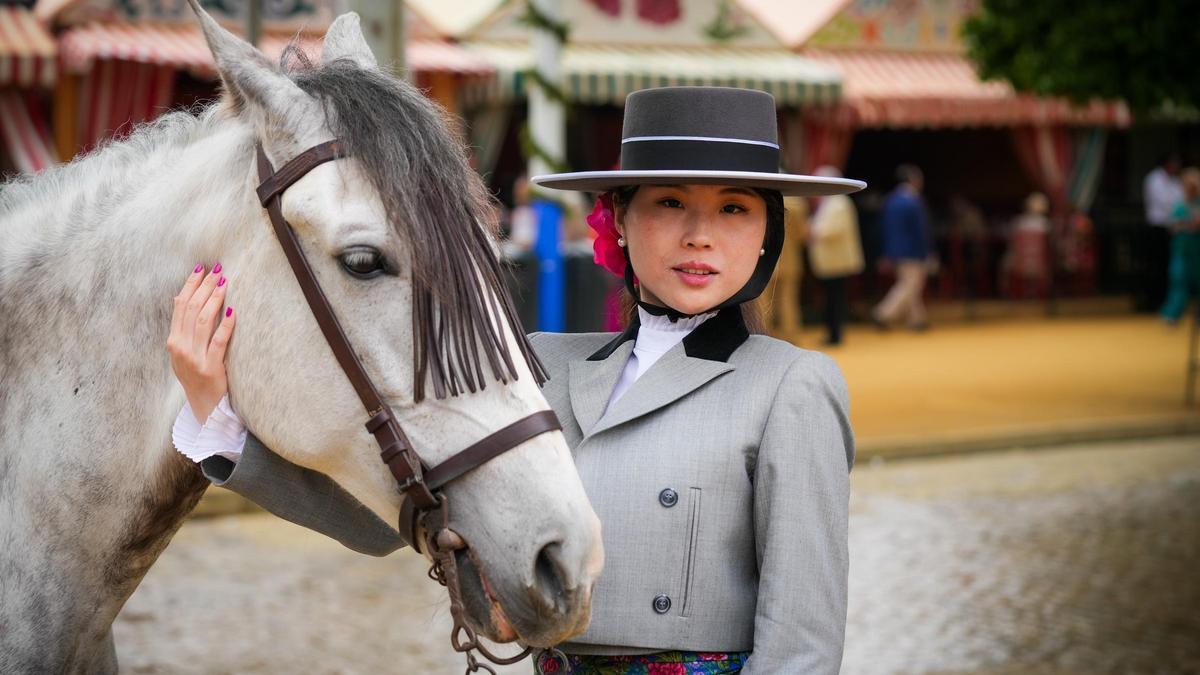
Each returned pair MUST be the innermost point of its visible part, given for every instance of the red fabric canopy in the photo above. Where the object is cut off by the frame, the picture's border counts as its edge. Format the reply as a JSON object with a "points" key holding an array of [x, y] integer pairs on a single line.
{"points": [[930, 90], [182, 46], [26, 50]]}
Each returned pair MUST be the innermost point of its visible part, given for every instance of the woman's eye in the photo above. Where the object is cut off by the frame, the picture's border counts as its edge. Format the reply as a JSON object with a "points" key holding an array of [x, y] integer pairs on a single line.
{"points": [[670, 203], [734, 208], [362, 262]]}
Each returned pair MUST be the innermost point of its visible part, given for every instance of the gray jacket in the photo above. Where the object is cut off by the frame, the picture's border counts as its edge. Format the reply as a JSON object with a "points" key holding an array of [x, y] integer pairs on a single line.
{"points": [[721, 479]]}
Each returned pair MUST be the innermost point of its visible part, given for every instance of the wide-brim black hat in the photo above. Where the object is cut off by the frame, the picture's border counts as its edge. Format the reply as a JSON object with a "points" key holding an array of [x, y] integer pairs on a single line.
{"points": [[705, 135]]}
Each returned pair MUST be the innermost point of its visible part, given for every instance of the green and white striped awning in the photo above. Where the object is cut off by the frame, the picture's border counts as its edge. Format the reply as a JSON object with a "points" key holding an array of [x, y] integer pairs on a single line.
{"points": [[603, 74]]}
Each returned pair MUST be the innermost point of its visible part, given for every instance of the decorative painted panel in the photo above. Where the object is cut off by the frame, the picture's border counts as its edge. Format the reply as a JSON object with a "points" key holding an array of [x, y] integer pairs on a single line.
{"points": [[276, 14], [668, 23], [926, 25]]}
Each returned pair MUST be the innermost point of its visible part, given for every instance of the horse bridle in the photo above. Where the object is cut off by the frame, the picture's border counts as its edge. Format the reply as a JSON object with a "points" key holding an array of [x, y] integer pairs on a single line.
{"points": [[424, 504]]}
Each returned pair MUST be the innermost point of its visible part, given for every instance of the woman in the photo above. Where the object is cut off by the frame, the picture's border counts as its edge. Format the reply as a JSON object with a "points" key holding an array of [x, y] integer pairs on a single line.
{"points": [[1185, 249], [717, 459], [1026, 266]]}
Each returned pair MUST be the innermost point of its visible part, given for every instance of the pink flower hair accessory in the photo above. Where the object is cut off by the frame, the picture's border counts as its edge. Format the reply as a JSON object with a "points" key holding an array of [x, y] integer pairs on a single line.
{"points": [[603, 221]]}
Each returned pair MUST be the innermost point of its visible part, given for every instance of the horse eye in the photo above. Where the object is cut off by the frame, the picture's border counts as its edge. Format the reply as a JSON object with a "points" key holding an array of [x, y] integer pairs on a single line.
{"points": [[362, 262]]}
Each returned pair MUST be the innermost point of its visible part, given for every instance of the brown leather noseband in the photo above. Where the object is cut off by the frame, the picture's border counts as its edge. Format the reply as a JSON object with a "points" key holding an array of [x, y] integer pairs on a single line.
{"points": [[423, 501]]}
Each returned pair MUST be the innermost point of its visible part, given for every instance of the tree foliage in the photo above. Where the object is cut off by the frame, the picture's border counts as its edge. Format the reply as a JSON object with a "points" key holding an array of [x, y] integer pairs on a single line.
{"points": [[1146, 52]]}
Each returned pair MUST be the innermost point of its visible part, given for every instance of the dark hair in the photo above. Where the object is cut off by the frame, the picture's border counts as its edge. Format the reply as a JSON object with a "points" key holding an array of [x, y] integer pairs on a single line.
{"points": [[1169, 158], [751, 314], [908, 173]]}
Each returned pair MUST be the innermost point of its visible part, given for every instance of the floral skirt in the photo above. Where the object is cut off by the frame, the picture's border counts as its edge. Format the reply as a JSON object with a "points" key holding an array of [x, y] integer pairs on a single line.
{"points": [[660, 663]]}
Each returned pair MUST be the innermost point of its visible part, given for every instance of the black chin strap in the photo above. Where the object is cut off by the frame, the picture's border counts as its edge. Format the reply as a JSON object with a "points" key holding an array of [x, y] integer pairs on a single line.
{"points": [[669, 312]]}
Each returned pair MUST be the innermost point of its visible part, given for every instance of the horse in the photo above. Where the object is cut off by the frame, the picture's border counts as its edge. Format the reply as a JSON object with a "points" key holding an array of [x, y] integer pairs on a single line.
{"points": [[400, 236]]}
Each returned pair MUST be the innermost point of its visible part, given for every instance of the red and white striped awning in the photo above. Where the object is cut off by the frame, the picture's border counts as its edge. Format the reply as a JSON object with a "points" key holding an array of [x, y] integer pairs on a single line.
{"points": [[26, 50], [26, 138], [119, 94], [182, 46], [429, 56], [924, 89]]}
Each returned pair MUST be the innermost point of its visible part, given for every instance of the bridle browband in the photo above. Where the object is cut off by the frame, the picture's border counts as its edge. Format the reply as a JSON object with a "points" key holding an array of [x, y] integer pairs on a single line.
{"points": [[423, 502]]}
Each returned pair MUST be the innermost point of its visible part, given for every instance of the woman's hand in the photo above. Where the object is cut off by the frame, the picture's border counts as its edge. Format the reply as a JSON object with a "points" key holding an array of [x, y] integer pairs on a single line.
{"points": [[197, 341]]}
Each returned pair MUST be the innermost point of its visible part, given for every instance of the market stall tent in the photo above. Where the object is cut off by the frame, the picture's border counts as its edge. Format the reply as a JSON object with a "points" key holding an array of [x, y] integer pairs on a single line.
{"points": [[27, 72]]}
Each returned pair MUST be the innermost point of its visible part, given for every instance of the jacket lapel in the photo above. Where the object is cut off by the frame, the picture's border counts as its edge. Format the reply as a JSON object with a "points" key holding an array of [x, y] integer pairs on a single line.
{"points": [[672, 377], [702, 356], [591, 384]]}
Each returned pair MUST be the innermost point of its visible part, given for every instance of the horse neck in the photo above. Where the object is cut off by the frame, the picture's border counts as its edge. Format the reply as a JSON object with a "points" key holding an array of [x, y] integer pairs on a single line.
{"points": [[91, 489], [88, 273]]}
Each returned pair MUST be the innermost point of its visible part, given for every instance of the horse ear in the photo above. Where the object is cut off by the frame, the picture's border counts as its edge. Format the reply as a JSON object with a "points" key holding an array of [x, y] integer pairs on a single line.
{"points": [[252, 82], [344, 40]]}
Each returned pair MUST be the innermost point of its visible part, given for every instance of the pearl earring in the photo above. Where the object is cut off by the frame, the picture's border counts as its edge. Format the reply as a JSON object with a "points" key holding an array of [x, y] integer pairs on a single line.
{"points": [[762, 252], [621, 242]]}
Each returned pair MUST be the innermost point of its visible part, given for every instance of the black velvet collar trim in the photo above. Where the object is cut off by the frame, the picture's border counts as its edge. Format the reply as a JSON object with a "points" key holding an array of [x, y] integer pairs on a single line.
{"points": [[719, 337], [629, 333], [714, 340]]}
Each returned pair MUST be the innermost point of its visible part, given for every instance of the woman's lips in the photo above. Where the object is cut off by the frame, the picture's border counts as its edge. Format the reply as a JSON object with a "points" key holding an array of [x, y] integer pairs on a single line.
{"points": [[696, 275]]}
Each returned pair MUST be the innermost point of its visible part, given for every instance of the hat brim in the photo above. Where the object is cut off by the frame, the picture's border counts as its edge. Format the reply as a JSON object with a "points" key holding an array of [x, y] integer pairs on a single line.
{"points": [[792, 185]]}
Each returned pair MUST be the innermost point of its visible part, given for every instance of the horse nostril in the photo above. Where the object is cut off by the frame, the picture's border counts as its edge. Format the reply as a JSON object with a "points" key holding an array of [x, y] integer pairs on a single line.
{"points": [[550, 576]]}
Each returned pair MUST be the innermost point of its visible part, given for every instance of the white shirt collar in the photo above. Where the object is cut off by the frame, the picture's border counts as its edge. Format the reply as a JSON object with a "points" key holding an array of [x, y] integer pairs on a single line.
{"points": [[658, 334]]}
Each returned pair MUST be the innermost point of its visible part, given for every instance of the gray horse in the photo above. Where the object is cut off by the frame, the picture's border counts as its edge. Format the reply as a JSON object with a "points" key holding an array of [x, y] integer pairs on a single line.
{"points": [[91, 490]]}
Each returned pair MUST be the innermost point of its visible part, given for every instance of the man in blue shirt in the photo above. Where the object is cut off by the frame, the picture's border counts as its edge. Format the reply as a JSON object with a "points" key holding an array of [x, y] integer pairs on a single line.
{"points": [[907, 243]]}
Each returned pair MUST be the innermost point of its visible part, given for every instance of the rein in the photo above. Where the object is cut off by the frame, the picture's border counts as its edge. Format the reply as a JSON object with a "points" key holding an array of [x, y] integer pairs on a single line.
{"points": [[424, 504]]}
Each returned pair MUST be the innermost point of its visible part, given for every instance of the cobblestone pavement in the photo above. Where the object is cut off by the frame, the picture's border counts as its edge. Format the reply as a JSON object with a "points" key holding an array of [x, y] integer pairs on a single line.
{"points": [[1073, 560], [1078, 560]]}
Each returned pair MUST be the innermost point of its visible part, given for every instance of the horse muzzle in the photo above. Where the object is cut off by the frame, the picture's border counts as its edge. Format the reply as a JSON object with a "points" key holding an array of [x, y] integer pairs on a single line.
{"points": [[543, 612]]}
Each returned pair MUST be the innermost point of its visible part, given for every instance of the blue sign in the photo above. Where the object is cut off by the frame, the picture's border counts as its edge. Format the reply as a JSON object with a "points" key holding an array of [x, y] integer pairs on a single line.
{"points": [[552, 278]]}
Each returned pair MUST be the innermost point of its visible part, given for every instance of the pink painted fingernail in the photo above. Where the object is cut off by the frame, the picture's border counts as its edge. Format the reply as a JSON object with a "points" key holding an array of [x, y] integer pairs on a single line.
{"points": [[199, 268], [221, 282], [217, 268], [228, 312]]}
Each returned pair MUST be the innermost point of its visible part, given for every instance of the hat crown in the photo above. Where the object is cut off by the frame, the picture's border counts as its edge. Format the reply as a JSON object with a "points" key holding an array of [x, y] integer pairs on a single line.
{"points": [[702, 112], [700, 129], [700, 135]]}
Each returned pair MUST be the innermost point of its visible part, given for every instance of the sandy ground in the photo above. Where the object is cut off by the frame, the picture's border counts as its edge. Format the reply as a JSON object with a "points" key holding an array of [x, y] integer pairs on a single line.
{"points": [[1003, 376], [1075, 560]]}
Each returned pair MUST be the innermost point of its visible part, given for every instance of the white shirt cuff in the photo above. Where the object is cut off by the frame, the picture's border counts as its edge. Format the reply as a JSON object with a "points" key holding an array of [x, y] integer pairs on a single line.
{"points": [[223, 433]]}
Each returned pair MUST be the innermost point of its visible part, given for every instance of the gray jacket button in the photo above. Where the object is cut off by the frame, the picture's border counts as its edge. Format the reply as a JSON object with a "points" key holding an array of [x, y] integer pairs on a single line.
{"points": [[668, 498], [662, 604]]}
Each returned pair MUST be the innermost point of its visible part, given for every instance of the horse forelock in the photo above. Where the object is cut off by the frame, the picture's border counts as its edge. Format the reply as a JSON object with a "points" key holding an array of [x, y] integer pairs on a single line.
{"points": [[414, 156]]}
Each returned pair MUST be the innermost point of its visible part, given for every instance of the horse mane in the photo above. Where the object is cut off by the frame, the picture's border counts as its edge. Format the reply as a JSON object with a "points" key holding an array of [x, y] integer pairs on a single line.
{"points": [[414, 156]]}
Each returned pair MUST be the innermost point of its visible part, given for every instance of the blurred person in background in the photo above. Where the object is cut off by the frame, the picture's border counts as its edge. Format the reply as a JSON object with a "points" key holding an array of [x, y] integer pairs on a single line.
{"points": [[1076, 248], [1161, 192], [781, 301], [968, 248], [835, 252], [1025, 271], [522, 221], [907, 247], [1185, 248]]}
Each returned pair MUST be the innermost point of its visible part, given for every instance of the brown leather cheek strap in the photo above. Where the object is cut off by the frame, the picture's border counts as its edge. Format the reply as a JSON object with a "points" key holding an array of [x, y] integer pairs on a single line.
{"points": [[396, 450]]}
